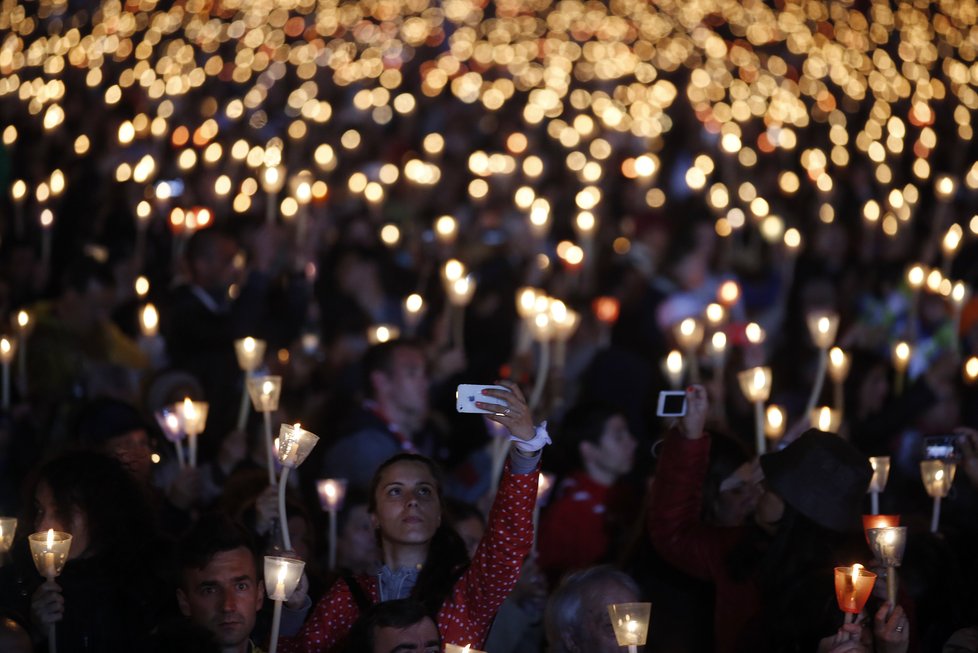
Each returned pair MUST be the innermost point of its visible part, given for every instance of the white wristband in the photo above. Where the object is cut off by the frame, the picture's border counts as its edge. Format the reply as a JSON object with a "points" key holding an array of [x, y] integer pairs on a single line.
{"points": [[539, 441]]}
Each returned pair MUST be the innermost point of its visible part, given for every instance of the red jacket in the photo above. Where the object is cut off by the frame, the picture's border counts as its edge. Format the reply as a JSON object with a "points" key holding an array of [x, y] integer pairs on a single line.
{"points": [[467, 614], [692, 546]]}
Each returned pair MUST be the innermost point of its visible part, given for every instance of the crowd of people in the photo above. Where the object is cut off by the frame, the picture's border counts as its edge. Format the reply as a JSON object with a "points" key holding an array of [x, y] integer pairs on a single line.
{"points": [[514, 529]]}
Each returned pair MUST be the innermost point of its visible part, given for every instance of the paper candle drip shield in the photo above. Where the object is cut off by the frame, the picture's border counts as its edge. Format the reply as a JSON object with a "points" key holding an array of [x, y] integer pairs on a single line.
{"points": [[265, 392], [853, 585], [631, 622], [881, 473], [282, 576], [888, 544], [755, 383], [250, 353], [50, 551], [170, 423], [192, 415], [331, 493], [8, 526], [294, 445], [937, 475]]}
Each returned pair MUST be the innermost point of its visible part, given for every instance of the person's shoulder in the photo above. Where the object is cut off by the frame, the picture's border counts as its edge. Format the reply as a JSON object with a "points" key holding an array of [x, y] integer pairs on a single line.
{"points": [[962, 641]]}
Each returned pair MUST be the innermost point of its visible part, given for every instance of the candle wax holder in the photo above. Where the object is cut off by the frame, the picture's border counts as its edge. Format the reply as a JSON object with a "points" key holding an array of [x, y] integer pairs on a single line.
{"points": [[630, 622], [879, 521], [331, 493], [250, 352], [8, 527], [265, 392], [294, 445], [888, 544], [853, 585], [50, 551]]}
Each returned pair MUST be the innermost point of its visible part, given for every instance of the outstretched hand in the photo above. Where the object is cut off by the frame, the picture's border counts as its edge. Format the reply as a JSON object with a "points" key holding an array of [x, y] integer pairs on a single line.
{"points": [[510, 409], [691, 424]]}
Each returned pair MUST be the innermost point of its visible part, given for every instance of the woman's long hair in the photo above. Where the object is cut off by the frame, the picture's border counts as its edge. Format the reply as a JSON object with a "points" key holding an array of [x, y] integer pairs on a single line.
{"points": [[114, 506], [447, 558]]}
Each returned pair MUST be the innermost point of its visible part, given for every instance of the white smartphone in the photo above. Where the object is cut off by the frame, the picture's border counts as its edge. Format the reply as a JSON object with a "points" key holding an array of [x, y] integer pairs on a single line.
{"points": [[672, 403], [467, 394]]}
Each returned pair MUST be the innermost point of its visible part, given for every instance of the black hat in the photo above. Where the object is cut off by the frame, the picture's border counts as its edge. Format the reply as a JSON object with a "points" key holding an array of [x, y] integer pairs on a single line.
{"points": [[821, 476], [105, 418]]}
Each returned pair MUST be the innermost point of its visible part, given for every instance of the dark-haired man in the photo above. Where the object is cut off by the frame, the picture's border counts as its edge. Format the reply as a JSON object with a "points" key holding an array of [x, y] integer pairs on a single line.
{"points": [[399, 626], [395, 407], [220, 589]]}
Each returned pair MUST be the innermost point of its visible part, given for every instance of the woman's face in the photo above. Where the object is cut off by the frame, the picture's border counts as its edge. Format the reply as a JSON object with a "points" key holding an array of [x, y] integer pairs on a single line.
{"points": [[46, 516], [769, 511], [408, 507]]}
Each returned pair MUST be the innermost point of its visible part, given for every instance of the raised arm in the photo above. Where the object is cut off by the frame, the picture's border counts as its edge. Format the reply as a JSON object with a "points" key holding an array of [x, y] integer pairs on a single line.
{"points": [[674, 522], [497, 562]]}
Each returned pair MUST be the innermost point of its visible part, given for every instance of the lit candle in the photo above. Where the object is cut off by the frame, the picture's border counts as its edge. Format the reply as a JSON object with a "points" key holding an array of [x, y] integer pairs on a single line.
{"points": [[50, 552], [960, 294], [8, 526], [265, 392], [250, 352], [970, 369], [916, 277], [8, 347], [47, 225], [446, 230], [949, 246], [774, 422], [193, 417], [881, 472], [902, 351], [606, 310], [414, 307], [853, 585], [287, 573], [938, 476], [24, 325], [526, 299], [888, 545], [755, 383], [673, 367], [838, 370], [542, 330], [295, 443], [689, 336], [171, 425], [822, 326], [272, 180], [630, 622], [825, 418], [331, 492]]}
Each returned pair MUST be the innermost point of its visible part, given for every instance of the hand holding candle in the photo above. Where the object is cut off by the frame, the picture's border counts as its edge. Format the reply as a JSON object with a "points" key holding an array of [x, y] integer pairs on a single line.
{"points": [[50, 552], [282, 576], [8, 526]]}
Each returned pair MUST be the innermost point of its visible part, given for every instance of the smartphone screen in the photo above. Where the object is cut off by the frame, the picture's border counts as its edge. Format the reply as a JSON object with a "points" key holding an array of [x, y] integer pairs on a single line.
{"points": [[672, 403]]}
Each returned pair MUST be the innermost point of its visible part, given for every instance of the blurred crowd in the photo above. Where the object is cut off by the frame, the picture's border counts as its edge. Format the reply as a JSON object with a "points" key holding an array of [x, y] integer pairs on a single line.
{"points": [[576, 301]]}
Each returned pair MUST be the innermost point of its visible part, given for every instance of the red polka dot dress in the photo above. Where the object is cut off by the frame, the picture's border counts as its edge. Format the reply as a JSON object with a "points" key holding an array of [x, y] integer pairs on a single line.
{"points": [[467, 614]]}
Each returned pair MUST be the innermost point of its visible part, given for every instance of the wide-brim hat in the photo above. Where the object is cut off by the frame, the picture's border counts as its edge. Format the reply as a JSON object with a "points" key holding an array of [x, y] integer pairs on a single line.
{"points": [[821, 476]]}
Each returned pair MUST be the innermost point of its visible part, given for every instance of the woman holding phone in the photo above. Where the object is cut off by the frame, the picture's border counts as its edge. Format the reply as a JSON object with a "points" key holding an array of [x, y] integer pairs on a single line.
{"points": [[423, 557]]}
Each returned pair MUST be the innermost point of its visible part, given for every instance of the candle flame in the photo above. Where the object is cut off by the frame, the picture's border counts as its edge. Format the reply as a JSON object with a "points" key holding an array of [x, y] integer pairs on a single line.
{"points": [[267, 387], [674, 362], [330, 490], [189, 411], [939, 475], [23, 318], [823, 325], [50, 538], [5, 346], [687, 326], [282, 571], [855, 572], [249, 345], [759, 379]]}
